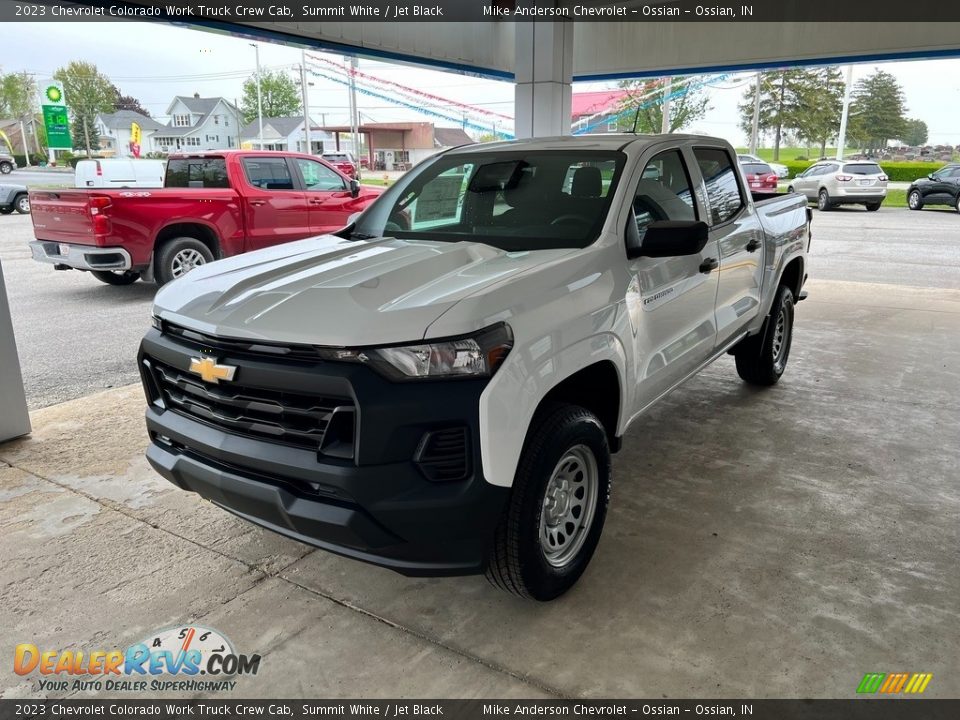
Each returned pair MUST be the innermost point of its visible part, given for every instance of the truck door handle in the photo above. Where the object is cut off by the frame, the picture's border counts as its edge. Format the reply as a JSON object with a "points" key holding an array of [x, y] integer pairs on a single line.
{"points": [[753, 245], [709, 265], [258, 202]]}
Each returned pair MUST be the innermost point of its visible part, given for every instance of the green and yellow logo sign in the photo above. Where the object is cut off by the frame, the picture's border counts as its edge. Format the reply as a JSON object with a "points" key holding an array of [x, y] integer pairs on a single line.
{"points": [[53, 94], [894, 683]]}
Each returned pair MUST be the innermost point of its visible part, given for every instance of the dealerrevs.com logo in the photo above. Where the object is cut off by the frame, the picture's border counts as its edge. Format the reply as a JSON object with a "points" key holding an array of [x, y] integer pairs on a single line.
{"points": [[188, 658], [895, 683]]}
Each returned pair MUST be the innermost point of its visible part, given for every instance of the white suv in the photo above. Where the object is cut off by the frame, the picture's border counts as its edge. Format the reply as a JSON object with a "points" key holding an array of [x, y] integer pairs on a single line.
{"points": [[834, 182]]}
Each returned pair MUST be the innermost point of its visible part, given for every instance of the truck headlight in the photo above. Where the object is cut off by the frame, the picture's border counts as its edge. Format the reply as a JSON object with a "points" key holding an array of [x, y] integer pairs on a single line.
{"points": [[477, 355]]}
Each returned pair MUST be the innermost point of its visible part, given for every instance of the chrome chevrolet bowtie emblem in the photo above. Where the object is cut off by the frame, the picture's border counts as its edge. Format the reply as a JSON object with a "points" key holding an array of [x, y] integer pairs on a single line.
{"points": [[208, 369]]}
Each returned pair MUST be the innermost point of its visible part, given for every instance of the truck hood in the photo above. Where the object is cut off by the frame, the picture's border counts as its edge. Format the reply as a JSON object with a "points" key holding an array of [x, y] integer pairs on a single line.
{"points": [[334, 292]]}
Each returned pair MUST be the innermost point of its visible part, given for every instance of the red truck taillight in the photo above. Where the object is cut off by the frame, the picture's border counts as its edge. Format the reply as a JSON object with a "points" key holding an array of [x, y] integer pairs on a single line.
{"points": [[99, 204]]}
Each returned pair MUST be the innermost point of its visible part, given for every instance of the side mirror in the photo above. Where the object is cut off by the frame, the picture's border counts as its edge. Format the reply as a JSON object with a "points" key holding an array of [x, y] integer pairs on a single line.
{"points": [[932, 176], [354, 188], [671, 238]]}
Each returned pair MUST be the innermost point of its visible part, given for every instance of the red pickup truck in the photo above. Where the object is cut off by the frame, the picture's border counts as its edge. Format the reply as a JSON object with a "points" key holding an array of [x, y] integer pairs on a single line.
{"points": [[212, 205]]}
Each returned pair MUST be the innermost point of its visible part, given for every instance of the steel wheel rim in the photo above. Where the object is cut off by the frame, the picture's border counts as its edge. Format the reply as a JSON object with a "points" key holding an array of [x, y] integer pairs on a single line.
{"points": [[781, 337], [913, 200], [24, 204], [185, 261], [822, 201], [569, 505]]}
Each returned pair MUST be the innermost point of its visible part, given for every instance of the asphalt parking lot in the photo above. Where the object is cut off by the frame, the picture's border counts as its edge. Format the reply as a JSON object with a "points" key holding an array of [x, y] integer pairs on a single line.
{"points": [[776, 543]]}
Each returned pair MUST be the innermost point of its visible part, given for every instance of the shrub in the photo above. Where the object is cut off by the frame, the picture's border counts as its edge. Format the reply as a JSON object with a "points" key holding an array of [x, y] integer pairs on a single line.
{"points": [[895, 171]]}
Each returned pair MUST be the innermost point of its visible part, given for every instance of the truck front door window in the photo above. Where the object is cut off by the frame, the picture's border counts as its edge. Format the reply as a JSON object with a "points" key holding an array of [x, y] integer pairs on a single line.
{"points": [[318, 177], [663, 192]]}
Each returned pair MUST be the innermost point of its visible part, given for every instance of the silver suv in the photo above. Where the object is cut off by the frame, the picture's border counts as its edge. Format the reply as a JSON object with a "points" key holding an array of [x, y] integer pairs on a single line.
{"points": [[834, 182], [7, 163]]}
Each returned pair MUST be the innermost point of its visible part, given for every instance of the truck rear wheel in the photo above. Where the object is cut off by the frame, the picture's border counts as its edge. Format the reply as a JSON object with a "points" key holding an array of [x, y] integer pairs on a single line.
{"points": [[762, 358], [552, 523], [116, 277], [178, 256]]}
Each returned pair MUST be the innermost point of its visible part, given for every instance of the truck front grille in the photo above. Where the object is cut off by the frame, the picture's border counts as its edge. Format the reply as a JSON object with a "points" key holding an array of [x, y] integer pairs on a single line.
{"points": [[284, 417]]}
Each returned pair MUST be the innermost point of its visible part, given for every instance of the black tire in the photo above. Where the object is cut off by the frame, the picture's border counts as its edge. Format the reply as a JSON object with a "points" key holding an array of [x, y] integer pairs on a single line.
{"points": [[762, 358], [915, 200], [6, 168], [177, 253], [22, 204], [957, 203], [118, 277], [6, 210], [790, 188], [873, 207], [518, 561], [823, 200]]}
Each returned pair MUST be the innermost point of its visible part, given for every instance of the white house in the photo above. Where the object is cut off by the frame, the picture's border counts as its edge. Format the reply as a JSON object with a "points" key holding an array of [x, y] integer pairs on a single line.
{"points": [[114, 131], [286, 133], [198, 123]]}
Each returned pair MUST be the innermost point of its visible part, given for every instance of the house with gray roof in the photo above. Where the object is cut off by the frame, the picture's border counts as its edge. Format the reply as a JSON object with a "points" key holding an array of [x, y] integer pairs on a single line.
{"points": [[286, 133], [198, 123], [114, 131]]}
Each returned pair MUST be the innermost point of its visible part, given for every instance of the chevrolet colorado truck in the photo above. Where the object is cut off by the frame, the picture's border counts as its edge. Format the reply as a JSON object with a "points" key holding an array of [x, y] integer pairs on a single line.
{"points": [[212, 205], [438, 388]]}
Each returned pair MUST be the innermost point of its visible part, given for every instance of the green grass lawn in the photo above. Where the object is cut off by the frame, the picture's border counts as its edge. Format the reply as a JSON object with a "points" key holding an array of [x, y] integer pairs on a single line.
{"points": [[791, 153], [375, 181]]}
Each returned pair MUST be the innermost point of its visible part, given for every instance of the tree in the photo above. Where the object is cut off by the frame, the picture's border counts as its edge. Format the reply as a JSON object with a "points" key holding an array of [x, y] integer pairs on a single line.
{"points": [[644, 100], [18, 95], [915, 133], [781, 103], [128, 102], [820, 105], [88, 92], [280, 94], [877, 111]]}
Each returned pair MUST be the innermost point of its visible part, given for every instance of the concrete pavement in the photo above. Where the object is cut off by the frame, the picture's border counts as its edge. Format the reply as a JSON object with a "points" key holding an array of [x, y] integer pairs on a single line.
{"points": [[775, 543]]}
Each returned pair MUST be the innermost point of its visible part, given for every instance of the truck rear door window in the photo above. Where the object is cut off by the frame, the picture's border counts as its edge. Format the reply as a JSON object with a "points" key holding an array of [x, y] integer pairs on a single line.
{"points": [[268, 173], [197, 173], [723, 190]]}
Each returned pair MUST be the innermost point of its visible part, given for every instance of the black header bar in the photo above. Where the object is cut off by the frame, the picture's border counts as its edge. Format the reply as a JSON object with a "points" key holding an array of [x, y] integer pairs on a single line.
{"points": [[229, 11], [429, 709]]}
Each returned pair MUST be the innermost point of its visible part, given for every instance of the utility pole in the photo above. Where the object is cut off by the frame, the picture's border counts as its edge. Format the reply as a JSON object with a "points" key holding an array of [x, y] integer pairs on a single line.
{"points": [[351, 72], [256, 47], [26, 150], [842, 138], [303, 93], [755, 131], [665, 122]]}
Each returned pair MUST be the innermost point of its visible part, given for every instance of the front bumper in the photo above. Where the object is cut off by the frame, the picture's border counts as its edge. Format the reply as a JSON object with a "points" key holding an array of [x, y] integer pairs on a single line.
{"points": [[80, 257], [378, 506]]}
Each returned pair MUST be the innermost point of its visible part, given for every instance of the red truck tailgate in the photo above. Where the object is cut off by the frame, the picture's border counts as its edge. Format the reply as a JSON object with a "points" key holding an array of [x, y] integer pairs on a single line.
{"points": [[63, 216]]}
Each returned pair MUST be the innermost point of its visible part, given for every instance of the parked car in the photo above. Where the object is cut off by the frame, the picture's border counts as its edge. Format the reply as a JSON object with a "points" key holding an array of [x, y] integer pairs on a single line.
{"points": [[938, 188], [8, 163], [759, 175], [119, 173], [14, 197], [342, 161], [835, 182], [213, 205], [782, 171], [443, 398]]}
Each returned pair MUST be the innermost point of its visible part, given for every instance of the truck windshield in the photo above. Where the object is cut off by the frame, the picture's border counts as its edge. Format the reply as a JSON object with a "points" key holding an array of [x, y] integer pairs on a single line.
{"points": [[512, 200]]}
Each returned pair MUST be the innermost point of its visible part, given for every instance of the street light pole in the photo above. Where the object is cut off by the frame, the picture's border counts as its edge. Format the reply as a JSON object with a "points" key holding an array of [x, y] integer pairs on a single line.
{"points": [[755, 130], [353, 111], [303, 91], [844, 116], [256, 47]]}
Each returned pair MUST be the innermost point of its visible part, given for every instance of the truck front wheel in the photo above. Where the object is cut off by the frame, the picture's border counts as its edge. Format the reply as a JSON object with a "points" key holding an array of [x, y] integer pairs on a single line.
{"points": [[178, 256], [552, 523], [762, 358]]}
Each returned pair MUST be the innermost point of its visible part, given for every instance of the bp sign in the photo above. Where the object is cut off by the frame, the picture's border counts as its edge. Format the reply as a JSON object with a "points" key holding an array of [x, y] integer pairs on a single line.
{"points": [[55, 118]]}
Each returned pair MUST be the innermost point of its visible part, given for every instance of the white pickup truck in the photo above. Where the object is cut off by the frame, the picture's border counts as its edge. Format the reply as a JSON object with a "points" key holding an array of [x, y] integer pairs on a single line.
{"points": [[438, 388]]}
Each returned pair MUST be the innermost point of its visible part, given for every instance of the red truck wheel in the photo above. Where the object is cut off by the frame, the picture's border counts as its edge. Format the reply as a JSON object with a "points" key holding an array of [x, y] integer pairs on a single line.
{"points": [[119, 277], [179, 256]]}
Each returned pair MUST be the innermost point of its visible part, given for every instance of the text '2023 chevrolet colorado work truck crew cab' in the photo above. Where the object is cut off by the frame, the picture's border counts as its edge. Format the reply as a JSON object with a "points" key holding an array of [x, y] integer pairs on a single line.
{"points": [[212, 205], [438, 388]]}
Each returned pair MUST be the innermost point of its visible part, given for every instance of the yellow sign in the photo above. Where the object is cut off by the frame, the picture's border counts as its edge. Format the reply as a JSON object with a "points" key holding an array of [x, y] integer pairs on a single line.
{"points": [[135, 136]]}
